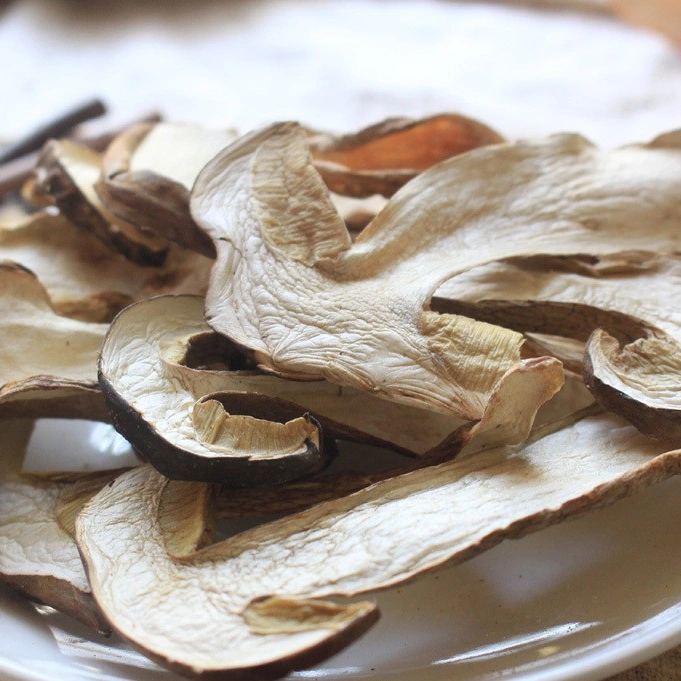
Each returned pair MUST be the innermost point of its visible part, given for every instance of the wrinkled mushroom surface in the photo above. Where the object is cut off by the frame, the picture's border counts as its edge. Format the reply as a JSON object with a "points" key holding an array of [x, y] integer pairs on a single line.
{"points": [[48, 363], [180, 415], [251, 602], [289, 285]]}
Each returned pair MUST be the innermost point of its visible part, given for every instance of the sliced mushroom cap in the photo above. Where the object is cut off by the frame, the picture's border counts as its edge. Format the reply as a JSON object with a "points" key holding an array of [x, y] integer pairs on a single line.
{"points": [[289, 285], [383, 157], [37, 557], [624, 305], [148, 172], [187, 419], [48, 363], [252, 600], [68, 171]]}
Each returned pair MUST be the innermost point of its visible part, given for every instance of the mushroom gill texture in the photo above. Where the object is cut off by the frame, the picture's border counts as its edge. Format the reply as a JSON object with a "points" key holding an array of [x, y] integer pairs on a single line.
{"points": [[289, 285], [622, 304], [37, 557], [250, 605], [48, 363], [177, 392]]}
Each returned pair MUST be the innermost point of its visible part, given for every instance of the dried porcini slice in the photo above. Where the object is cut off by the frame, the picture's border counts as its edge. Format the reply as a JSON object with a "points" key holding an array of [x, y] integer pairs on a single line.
{"points": [[166, 377], [68, 172], [383, 157], [252, 599], [289, 284], [37, 557], [148, 172], [48, 363], [633, 355]]}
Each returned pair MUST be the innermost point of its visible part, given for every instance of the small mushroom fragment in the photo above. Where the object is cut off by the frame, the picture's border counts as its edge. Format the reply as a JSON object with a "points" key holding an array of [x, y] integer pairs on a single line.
{"points": [[48, 363], [385, 156], [182, 418], [84, 279], [622, 304], [289, 285], [67, 172], [37, 557], [252, 600], [148, 172]]}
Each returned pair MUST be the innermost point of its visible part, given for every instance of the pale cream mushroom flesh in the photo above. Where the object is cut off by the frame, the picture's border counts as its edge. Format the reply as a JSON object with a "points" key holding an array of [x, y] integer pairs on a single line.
{"points": [[252, 602], [48, 363], [289, 284]]}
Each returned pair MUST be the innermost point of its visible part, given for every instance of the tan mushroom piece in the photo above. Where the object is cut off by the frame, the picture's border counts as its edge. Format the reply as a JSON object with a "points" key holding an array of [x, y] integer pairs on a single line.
{"points": [[181, 418], [148, 172], [383, 157], [37, 557], [83, 278], [249, 605], [68, 172], [633, 357], [289, 284], [48, 363]]}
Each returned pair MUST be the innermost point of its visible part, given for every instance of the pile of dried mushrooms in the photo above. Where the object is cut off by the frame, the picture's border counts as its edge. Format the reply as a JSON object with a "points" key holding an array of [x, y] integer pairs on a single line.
{"points": [[500, 313]]}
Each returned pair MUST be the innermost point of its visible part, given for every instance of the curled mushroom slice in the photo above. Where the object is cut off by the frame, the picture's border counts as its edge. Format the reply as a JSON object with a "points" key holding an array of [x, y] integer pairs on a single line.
{"points": [[619, 303], [67, 172], [384, 156], [289, 284], [48, 363], [379, 537], [166, 377], [37, 557], [148, 172]]}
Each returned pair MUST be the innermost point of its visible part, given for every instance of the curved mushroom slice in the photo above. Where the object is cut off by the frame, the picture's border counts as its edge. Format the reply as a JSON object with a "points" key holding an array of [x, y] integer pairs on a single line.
{"points": [[48, 363], [84, 279], [289, 285], [627, 298], [147, 175], [68, 172], [37, 557], [158, 401], [385, 156], [376, 538]]}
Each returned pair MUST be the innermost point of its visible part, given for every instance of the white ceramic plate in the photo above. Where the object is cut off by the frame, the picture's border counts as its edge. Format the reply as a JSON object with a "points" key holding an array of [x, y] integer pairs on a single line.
{"points": [[582, 600]]}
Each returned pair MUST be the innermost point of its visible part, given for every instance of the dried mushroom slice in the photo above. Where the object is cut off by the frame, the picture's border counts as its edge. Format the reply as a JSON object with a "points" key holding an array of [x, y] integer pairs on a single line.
{"points": [[619, 303], [289, 285], [48, 363], [84, 279], [68, 172], [148, 172], [252, 599], [155, 373], [37, 557], [385, 156]]}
